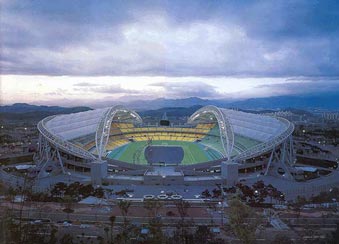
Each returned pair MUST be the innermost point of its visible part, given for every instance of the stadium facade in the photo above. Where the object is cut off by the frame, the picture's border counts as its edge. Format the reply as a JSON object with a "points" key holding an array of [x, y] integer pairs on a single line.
{"points": [[109, 145]]}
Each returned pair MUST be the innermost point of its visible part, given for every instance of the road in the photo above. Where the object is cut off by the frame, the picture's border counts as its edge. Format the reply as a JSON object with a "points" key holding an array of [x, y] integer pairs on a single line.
{"points": [[103, 218]]}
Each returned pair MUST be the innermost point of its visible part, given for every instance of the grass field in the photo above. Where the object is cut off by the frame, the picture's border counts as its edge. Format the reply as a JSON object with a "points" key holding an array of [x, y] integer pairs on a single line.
{"points": [[134, 152]]}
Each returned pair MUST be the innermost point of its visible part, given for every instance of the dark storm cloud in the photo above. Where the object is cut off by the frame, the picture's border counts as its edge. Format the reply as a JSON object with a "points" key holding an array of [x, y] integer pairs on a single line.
{"points": [[170, 38], [315, 78], [305, 86]]}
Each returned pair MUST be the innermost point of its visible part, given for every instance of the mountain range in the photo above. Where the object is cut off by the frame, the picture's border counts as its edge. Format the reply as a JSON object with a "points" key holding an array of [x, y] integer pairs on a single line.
{"points": [[28, 112], [310, 102], [27, 108]]}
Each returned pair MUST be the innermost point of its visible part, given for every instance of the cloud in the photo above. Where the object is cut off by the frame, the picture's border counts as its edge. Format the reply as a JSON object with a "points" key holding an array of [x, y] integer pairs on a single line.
{"points": [[116, 88], [59, 92], [86, 84], [177, 38], [315, 78], [187, 89], [177, 89], [106, 89], [302, 87]]}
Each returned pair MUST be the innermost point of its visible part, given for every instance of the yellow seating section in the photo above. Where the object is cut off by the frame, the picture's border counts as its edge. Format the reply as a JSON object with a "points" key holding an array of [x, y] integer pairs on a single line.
{"points": [[129, 127], [164, 136], [115, 143], [122, 133], [90, 145], [205, 126]]}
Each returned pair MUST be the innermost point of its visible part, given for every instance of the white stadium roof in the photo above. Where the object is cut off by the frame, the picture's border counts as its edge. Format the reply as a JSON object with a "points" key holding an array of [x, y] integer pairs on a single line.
{"points": [[258, 127], [61, 129], [71, 126]]}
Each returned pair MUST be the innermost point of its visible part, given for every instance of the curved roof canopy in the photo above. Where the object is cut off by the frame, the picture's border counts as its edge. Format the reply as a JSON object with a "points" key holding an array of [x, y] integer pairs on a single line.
{"points": [[225, 127], [270, 131], [256, 126], [63, 130], [102, 132], [66, 127]]}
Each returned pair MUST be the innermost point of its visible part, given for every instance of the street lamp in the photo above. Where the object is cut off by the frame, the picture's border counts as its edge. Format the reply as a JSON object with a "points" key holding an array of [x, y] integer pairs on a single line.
{"points": [[222, 205], [69, 177]]}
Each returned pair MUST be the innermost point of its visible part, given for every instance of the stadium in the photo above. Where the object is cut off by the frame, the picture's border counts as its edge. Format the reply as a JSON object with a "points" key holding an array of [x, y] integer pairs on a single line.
{"points": [[115, 146]]}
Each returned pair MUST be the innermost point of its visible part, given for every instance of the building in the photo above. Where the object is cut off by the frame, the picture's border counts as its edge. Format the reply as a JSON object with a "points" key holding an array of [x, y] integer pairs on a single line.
{"points": [[114, 146]]}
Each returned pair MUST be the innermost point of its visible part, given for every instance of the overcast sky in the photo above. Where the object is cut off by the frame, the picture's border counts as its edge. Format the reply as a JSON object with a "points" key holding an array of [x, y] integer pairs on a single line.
{"points": [[81, 52]]}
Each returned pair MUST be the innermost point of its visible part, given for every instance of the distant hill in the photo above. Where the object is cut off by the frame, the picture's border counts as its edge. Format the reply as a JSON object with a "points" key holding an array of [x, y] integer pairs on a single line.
{"points": [[26, 108], [24, 111], [182, 111], [176, 107], [309, 102], [170, 111], [168, 103], [320, 101]]}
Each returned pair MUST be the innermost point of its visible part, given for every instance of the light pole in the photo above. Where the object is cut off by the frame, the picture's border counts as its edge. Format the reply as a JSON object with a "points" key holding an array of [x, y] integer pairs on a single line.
{"points": [[69, 177], [222, 205]]}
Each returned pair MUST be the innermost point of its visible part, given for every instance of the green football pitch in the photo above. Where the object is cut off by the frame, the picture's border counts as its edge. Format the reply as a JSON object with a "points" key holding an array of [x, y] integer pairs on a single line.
{"points": [[193, 152]]}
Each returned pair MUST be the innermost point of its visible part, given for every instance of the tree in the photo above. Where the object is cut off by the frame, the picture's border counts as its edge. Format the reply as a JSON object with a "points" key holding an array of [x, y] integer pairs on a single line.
{"points": [[106, 229], [66, 239], [53, 238], [68, 205], [99, 192], [24, 190], [11, 192], [156, 231], [247, 193], [124, 207], [282, 239], [243, 220], [13, 233], [73, 189], [260, 191], [112, 220], [34, 233], [59, 189], [182, 207], [300, 201], [153, 207], [86, 190], [155, 223], [100, 239], [206, 193], [182, 234], [271, 191], [333, 239], [202, 235]]}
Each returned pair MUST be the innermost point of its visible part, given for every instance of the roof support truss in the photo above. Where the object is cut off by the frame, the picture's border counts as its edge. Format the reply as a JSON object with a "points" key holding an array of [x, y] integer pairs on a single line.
{"points": [[104, 126], [225, 128]]}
